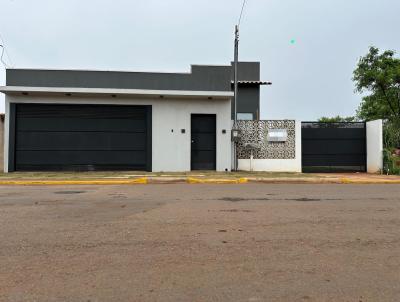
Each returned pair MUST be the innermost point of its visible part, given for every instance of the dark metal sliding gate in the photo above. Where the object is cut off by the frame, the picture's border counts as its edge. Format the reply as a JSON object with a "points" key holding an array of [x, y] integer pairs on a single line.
{"points": [[333, 147]]}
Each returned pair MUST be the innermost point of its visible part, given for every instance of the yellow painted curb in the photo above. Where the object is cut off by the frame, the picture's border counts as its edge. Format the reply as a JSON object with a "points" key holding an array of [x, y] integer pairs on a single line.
{"points": [[345, 181], [191, 180], [369, 182], [137, 181]]}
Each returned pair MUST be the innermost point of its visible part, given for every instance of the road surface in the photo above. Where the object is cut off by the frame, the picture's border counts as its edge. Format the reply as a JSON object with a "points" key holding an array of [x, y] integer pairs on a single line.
{"points": [[253, 242]]}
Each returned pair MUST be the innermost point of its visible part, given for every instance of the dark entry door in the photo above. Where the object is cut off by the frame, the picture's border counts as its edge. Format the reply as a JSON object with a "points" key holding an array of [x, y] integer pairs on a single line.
{"points": [[82, 137], [333, 147], [204, 142]]}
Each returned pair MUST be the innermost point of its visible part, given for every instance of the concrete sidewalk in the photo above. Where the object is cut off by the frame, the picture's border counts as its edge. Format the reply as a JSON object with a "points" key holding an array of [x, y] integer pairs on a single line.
{"points": [[135, 178]]}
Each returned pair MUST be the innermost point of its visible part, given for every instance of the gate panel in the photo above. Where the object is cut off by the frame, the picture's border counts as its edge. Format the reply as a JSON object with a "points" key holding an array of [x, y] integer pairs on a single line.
{"points": [[333, 147]]}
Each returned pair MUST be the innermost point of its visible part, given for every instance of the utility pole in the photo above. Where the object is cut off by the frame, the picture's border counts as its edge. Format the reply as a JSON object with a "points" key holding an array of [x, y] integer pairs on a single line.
{"points": [[235, 130], [235, 79]]}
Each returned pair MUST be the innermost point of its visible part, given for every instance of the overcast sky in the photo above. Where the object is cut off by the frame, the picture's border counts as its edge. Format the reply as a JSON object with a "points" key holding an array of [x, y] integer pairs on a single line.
{"points": [[311, 78]]}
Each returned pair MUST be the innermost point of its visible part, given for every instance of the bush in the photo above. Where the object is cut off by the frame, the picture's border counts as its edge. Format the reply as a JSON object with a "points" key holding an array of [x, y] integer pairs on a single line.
{"points": [[391, 134], [391, 163]]}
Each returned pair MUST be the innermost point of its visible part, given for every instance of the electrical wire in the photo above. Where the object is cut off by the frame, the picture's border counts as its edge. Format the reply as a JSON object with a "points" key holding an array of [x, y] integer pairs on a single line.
{"points": [[1, 57], [241, 12], [4, 51]]}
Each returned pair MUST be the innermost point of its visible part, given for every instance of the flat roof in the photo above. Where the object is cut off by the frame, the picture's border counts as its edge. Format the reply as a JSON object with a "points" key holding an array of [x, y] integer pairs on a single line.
{"points": [[214, 78], [113, 92]]}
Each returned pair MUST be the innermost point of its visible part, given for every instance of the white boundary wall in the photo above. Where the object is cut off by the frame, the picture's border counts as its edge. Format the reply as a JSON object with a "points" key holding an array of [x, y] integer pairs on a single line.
{"points": [[276, 165], [374, 146], [2, 122], [171, 151]]}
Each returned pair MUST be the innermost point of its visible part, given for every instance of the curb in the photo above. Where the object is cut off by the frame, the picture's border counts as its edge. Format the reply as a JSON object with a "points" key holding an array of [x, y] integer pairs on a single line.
{"points": [[73, 182], [322, 181], [370, 182], [191, 180]]}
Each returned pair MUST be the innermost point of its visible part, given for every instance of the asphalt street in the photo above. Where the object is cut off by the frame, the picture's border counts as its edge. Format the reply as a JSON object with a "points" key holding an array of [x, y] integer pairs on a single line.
{"points": [[179, 242]]}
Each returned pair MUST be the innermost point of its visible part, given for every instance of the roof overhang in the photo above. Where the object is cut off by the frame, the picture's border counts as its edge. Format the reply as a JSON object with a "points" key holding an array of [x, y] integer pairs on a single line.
{"points": [[252, 83], [137, 93]]}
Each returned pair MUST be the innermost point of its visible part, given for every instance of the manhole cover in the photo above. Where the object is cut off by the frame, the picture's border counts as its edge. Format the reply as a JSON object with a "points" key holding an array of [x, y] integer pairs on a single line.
{"points": [[69, 192]]}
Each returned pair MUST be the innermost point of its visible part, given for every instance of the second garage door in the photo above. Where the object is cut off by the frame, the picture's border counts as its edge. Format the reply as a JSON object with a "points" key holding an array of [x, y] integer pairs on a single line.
{"points": [[81, 137], [333, 147]]}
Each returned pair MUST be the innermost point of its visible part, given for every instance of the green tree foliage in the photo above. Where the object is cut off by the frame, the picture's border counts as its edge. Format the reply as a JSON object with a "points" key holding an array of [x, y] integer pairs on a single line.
{"points": [[378, 76], [337, 119]]}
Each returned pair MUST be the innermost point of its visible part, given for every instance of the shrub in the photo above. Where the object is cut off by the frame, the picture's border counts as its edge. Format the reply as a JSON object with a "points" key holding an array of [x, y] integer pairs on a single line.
{"points": [[391, 162]]}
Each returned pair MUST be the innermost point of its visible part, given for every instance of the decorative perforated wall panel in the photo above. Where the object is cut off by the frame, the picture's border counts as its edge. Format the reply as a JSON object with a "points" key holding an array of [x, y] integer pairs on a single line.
{"points": [[255, 132]]}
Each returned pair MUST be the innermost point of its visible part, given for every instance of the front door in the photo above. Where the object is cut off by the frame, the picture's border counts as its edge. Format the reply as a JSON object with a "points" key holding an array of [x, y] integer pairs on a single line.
{"points": [[204, 142]]}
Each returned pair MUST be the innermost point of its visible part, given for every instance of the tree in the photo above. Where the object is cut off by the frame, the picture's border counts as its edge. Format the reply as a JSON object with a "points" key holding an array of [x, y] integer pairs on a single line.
{"points": [[378, 75], [337, 119]]}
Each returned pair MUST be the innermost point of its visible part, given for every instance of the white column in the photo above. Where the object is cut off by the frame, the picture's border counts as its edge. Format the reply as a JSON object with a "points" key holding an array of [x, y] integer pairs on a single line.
{"points": [[6, 133], [298, 159], [374, 146]]}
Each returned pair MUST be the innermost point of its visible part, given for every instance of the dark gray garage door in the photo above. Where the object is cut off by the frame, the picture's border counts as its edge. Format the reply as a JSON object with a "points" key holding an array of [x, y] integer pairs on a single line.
{"points": [[333, 147], [82, 137]]}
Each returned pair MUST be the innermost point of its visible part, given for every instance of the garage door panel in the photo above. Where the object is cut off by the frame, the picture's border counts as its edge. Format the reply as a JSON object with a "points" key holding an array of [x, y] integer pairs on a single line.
{"points": [[81, 141], [333, 160], [333, 146], [333, 133], [79, 124], [80, 111], [82, 137], [80, 157]]}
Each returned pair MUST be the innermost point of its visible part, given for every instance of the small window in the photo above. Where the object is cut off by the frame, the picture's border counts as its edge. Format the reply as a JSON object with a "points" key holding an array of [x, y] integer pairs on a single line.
{"points": [[245, 116]]}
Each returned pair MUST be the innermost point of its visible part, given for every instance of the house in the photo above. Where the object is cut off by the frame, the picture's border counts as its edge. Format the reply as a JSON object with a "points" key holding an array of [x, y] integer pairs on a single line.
{"points": [[112, 120]]}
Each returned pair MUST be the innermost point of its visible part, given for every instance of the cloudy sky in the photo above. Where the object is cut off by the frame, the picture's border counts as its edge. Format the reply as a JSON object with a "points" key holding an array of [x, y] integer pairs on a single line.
{"points": [[311, 78]]}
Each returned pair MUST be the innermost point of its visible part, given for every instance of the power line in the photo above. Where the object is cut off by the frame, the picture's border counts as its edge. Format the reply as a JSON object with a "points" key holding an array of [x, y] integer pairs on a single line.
{"points": [[4, 50], [241, 12], [1, 57]]}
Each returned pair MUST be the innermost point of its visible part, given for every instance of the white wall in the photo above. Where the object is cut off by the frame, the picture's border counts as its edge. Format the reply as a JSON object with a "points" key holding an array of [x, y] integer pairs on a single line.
{"points": [[171, 150], [6, 127], [277, 165], [1, 144], [374, 146]]}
